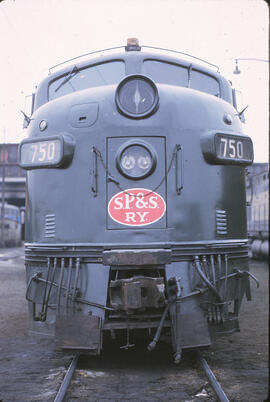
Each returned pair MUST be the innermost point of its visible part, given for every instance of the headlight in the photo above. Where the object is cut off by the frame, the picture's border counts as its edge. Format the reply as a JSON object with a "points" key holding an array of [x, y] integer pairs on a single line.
{"points": [[136, 96], [136, 159]]}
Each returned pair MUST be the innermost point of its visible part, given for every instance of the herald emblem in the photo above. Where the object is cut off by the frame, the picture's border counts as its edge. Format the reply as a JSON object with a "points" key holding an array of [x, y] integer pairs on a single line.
{"points": [[136, 207]]}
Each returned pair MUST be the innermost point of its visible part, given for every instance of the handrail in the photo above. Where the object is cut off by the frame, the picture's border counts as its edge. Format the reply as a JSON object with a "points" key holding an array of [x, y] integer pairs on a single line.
{"points": [[120, 47], [186, 54], [83, 55]]}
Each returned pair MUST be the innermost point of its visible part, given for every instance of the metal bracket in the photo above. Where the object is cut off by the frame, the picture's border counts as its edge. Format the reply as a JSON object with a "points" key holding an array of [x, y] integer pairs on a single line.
{"points": [[42, 316], [128, 345]]}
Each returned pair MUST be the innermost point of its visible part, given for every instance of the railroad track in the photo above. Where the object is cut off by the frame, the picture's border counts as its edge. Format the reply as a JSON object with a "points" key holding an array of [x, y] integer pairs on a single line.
{"points": [[66, 381], [199, 362]]}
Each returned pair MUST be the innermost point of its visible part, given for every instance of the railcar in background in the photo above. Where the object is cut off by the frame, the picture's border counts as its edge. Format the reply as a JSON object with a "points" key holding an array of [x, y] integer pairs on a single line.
{"points": [[136, 202], [258, 211], [10, 226]]}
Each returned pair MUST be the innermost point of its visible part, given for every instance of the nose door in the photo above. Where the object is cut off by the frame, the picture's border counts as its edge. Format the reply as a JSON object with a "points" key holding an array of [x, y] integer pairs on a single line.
{"points": [[136, 183]]}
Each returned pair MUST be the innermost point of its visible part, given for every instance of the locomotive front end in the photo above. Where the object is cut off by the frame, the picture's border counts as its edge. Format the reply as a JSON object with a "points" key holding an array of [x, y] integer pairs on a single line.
{"points": [[136, 222]]}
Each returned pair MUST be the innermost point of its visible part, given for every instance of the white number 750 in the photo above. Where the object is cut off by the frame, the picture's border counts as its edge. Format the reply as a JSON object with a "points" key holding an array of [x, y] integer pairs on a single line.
{"points": [[233, 150]]}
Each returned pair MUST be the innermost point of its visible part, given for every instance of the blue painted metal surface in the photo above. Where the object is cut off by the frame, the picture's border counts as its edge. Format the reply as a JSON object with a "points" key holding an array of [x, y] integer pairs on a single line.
{"points": [[203, 229]]}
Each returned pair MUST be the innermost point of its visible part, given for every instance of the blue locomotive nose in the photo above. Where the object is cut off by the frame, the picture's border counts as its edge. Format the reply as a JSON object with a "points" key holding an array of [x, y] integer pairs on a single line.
{"points": [[132, 161]]}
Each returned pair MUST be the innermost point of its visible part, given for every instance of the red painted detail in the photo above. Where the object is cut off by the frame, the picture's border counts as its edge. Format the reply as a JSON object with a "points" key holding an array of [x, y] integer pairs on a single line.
{"points": [[136, 207]]}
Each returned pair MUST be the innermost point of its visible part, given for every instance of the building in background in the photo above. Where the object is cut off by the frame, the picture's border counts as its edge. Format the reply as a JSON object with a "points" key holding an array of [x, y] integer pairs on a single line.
{"points": [[12, 197], [257, 182], [12, 177]]}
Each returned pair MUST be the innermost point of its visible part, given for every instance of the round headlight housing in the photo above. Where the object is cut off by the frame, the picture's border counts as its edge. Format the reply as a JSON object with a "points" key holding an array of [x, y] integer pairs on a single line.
{"points": [[136, 159], [136, 96]]}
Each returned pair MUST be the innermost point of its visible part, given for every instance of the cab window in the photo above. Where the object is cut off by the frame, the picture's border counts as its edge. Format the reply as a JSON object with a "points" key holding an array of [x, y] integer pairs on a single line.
{"points": [[204, 83], [174, 74], [94, 76], [166, 73]]}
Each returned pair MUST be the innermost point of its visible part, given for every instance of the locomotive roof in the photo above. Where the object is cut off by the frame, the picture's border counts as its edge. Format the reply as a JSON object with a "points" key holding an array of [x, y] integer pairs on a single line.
{"points": [[133, 61], [134, 47], [133, 56]]}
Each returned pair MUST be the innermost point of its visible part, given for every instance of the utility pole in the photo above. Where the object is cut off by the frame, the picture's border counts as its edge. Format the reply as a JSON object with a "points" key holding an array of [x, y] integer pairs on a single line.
{"points": [[3, 157]]}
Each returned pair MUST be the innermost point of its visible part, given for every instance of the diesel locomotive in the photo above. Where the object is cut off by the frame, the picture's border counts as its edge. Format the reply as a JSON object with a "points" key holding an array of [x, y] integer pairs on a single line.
{"points": [[136, 204]]}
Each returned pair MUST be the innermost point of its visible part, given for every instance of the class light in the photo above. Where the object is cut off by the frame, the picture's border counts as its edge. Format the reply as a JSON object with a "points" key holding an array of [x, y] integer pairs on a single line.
{"points": [[43, 125]]}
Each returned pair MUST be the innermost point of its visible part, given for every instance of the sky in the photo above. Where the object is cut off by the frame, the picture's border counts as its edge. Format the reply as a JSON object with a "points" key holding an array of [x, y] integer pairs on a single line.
{"points": [[37, 34]]}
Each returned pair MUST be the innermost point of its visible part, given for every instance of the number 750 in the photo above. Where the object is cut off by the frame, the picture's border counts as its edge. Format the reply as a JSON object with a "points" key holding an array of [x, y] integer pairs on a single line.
{"points": [[231, 148]]}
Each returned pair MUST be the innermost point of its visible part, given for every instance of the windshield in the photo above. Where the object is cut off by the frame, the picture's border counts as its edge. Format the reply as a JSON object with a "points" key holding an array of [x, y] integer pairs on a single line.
{"points": [[93, 76], [174, 74]]}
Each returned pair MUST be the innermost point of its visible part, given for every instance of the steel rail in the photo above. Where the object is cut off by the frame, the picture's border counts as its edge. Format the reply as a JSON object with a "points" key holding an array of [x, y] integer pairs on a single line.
{"points": [[66, 381], [222, 397]]}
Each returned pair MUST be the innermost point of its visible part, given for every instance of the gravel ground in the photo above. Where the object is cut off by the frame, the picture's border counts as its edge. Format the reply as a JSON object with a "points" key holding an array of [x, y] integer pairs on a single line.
{"points": [[241, 360], [31, 370]]}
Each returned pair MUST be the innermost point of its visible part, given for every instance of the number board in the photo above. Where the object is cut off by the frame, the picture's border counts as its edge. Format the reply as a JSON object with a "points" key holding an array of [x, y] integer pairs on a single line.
{"points": [[40, 153], [233, 149], [227, 148], [56, 151]]}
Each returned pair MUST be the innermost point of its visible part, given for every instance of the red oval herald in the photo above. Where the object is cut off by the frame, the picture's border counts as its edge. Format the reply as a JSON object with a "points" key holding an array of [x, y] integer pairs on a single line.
{"points": [[136, 207]]}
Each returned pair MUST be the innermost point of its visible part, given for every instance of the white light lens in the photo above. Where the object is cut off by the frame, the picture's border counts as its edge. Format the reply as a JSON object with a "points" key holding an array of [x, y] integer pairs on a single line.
{"points": [[128, 162], [144, 162]]}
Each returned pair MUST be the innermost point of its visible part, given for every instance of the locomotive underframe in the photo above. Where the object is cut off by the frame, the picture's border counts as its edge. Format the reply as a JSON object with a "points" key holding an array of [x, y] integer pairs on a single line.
{"points": [[189, 291]]}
